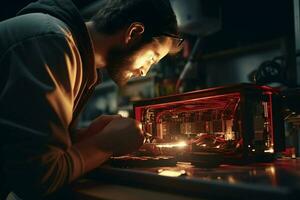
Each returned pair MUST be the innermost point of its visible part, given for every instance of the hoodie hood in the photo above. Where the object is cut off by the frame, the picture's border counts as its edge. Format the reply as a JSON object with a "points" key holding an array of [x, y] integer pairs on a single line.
{"points": [[67, 12]]}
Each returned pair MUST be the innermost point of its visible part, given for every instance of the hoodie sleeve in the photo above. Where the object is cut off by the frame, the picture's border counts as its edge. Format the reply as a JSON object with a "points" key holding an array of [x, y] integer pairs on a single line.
{"points": [[36, 106]]}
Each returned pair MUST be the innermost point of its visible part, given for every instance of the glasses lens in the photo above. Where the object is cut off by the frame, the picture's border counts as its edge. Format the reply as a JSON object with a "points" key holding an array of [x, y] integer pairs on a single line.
{"points": [[177, 42], [177, 45]]}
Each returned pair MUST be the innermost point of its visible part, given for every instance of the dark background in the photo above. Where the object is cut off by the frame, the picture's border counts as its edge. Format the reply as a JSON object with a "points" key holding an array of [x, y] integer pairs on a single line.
{"points": [[11, 7], [243, 21]]}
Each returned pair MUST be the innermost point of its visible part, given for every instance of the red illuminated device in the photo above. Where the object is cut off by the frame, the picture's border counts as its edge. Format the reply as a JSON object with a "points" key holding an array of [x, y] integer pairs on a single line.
{"points": [[236, 121]]}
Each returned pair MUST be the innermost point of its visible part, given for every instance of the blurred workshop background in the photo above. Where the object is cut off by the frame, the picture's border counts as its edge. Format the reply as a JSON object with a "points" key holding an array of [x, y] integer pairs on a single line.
{"points": [[226, 42]]}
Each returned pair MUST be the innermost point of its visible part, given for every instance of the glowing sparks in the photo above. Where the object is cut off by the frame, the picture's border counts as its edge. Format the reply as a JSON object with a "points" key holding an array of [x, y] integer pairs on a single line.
{"points": [[172, 145]]}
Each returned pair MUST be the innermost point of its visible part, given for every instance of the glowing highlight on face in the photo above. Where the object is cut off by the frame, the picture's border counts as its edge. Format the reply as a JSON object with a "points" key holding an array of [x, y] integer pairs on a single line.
{"points": [[125, 64], [149, 55]]}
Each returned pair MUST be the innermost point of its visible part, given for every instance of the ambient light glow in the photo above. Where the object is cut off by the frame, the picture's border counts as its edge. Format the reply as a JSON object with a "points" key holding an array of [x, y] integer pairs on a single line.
{"points": [[171, 173], [123, 113], [271, 150], [172, 145]]}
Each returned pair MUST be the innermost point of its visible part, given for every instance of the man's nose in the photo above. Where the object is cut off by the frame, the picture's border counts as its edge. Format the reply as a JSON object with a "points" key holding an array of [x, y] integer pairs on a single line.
{"points": [[145, 70]]}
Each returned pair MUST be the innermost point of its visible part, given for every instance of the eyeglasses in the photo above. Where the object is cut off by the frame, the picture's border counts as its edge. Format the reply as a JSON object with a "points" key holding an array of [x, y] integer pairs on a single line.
{"points": [[176, 44], [178, 40]]}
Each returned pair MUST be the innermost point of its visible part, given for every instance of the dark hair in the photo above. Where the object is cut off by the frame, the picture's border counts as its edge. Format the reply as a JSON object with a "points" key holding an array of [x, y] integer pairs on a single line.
{"points": [[157, 16]]}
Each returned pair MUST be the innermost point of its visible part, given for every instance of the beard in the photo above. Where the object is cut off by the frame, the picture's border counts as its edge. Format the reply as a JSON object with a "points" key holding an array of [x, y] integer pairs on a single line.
{"points": [[120, 61]]}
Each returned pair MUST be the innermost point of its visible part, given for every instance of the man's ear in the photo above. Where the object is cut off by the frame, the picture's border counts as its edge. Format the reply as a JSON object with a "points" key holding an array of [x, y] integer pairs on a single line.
{"points": [[134, 32]]}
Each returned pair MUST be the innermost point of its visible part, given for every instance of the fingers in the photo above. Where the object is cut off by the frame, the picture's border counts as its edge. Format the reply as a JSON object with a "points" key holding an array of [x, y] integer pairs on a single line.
{"points": [[121, 136], [100, 122], [106, 118]]}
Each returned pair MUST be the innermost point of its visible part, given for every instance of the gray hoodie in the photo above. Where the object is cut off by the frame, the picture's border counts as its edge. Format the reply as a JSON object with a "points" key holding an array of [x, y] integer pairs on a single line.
{"points": [[47, 73]]}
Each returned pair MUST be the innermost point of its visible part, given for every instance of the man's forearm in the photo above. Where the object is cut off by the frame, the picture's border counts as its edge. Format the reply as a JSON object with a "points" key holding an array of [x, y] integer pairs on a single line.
{"points": [[91, 154]]}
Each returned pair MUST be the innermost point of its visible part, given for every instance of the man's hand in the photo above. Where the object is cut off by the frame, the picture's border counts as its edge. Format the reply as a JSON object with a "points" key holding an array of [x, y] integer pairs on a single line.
{"points": [[100, 123], [95, 127], [120, 136], [109, 135]]}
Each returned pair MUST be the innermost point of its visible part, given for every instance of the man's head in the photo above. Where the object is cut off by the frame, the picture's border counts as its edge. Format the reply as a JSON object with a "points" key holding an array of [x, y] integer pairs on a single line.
{"points": [[146, 31]]}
